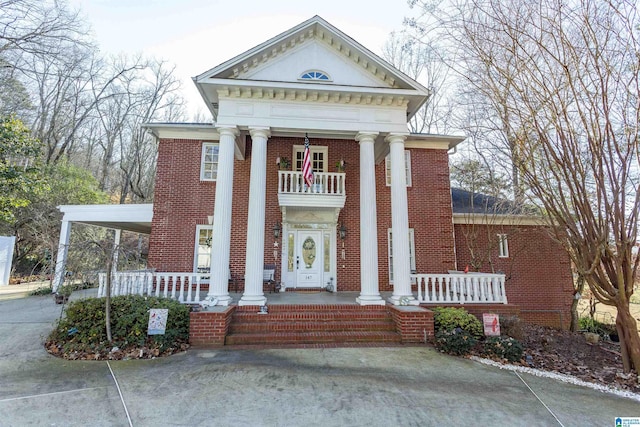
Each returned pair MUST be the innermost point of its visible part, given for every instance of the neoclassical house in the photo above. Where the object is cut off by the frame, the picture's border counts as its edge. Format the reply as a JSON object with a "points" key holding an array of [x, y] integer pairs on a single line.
{"points": [[377, 219]]}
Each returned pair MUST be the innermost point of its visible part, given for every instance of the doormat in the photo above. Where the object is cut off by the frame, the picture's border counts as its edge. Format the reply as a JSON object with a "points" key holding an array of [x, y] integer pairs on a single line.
{"points": [[306, 290]]}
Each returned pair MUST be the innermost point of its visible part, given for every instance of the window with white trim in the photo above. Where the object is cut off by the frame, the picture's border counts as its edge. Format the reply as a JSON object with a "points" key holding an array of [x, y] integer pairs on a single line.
{"points": [[315, 75], [209, 161], [503, 246], [202, 255], [407, 168], [319, 156], [412, 251]]}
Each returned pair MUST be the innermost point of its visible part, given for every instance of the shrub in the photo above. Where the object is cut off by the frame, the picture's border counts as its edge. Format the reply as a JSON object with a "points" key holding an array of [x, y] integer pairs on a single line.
{"points": [[456, 341], [43, 290], [449, 318], [588, 324], [504, 348], [83, 327], [512, 326]]}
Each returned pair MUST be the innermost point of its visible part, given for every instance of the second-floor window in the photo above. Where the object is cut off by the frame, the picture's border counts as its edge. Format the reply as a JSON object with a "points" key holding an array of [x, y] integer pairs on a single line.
{"points": [[407, 168], [209, 162], [503, 246], [318, 157]]}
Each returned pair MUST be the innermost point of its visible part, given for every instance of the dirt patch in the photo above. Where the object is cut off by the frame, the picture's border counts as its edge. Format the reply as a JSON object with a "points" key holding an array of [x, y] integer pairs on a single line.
{"points": [[569, 353]]}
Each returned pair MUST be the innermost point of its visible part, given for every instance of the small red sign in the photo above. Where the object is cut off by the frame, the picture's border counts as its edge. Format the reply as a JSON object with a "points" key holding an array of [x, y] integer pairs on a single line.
{"points": [[491, 324]]}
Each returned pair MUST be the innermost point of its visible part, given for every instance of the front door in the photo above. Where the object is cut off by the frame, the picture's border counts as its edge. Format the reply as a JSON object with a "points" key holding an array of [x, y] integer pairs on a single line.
{"points": [[309, 258]]}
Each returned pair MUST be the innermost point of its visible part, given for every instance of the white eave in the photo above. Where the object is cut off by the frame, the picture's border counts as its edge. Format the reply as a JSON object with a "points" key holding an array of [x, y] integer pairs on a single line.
{"points": [[199, 131], [134, 217], [433, 141], [498, 219]]}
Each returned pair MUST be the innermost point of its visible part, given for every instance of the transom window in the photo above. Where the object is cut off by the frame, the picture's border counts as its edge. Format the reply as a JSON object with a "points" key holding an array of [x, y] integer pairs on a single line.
{"points": [[315, 75], [209, 162], [318, 157], [407, 167]]}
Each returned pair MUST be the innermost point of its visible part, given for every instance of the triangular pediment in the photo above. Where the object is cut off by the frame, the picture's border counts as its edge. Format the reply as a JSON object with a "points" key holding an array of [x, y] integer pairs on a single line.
{"points": [[313, 47], [313, 61]]}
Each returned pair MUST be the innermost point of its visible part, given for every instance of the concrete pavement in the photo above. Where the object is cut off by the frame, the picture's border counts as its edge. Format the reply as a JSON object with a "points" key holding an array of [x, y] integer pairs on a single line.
{"points": [[401, 386]]}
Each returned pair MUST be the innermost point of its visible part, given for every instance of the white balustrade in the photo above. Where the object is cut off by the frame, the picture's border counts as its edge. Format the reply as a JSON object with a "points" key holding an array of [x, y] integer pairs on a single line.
{"points": [[184, 287], [325, 183], [479, 288]]}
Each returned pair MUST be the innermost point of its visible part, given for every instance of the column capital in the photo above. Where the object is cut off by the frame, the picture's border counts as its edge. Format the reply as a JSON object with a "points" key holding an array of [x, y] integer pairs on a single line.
{"points": [[394, 138], [264, 132], [231, 130], [366, 136]]}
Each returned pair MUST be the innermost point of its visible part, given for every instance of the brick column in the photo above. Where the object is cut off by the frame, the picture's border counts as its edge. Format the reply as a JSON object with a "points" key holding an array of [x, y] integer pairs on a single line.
{"points": [[369, 289], [220, 244], [400, 223], [253, 293]]}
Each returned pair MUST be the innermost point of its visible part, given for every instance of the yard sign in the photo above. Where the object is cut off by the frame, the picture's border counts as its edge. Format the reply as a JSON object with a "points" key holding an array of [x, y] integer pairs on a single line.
{"points": [[491, 324], [157, 321]]}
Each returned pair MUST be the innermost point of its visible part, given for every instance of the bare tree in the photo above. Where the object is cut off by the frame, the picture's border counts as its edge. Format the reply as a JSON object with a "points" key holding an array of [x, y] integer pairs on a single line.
{"points": [[566, 75], [422, 60]]}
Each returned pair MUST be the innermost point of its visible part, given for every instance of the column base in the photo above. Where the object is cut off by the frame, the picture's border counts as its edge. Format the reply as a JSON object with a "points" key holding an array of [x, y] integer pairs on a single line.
{"points": [[223, 300], [403, 300], [253, 300], [370, 300]]}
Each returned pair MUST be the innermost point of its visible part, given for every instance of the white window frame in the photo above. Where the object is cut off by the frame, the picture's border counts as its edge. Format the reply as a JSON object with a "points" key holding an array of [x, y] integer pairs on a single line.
{"points": [[503, 246], [196, 247], [205, 146], [407, 167], [313, 149], [412, 252]]}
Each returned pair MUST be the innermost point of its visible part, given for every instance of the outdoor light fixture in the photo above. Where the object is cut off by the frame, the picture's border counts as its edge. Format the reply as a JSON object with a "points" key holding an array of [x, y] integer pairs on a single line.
{"points": [[343, 231], [276, 230]]}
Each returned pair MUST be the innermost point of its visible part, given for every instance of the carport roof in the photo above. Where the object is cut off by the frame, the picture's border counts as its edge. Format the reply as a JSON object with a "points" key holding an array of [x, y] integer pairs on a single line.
{"points": [[136, 218]]}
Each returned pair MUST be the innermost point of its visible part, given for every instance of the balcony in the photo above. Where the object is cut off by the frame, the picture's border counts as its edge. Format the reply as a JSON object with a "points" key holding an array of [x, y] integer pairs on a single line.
{"points": [[327, 190]]}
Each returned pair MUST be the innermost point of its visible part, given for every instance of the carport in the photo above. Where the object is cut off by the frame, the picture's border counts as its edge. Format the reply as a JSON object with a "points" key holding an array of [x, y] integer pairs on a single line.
{"points": [[135, 217]]}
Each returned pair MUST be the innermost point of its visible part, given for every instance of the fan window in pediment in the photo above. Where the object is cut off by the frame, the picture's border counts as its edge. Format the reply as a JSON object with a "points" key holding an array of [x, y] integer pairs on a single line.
{"points": [[315, 75]]}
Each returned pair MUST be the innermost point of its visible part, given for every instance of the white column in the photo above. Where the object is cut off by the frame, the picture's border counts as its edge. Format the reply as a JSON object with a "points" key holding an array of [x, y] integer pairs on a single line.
{"points": [[220, 244], [253, 293], [116, 248], [369, 289], [61, 261], [400, 223]]}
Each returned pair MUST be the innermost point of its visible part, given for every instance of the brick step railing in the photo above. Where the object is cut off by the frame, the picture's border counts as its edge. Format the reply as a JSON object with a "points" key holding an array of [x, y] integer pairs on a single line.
{"points": [[312, 324]]}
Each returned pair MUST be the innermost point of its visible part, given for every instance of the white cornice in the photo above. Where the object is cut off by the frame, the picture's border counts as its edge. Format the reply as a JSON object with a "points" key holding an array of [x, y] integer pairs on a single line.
{"points": [[437, 142], [498, 220], [206, 132]]}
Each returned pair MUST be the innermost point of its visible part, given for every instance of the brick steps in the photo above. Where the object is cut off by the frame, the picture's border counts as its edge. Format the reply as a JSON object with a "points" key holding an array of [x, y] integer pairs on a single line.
{"points": [[312, 324], [316, 337]]}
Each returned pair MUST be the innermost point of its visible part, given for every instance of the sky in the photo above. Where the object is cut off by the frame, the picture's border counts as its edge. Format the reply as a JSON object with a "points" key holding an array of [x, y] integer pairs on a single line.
{"points": [[197, 35]]}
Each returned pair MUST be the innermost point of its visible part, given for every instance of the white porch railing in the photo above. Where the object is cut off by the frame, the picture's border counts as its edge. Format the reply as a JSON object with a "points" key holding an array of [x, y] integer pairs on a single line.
{"points": [[461, 288], [291, 182], [185, 287]]}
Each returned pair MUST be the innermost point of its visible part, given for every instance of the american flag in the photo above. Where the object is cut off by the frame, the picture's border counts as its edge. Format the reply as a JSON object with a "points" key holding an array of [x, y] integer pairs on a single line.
{"points": [[307, 170]]}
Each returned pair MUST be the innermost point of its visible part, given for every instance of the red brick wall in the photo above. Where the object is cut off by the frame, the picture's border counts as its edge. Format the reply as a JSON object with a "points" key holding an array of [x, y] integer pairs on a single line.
{"points": [[182, 201], [414, 324], [429, 201], [210, 327], [538, 270]]}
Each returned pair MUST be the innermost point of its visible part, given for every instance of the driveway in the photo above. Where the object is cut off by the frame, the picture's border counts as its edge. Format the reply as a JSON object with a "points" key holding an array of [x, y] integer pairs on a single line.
{"points": [[286, 387]]}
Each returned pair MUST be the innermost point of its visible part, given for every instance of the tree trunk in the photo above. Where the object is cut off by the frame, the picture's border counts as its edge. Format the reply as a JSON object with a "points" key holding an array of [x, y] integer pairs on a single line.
{"points": [[629, 338], [107, 302], [575, 320]]}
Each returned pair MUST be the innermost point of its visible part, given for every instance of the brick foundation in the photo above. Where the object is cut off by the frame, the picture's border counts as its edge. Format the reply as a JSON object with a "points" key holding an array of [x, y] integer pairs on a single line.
{"points": [[210, 327], [413, 323]]}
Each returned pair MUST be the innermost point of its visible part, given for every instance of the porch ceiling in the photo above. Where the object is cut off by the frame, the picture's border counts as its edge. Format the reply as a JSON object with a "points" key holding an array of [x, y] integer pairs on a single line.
{"points": [[135, 218]]}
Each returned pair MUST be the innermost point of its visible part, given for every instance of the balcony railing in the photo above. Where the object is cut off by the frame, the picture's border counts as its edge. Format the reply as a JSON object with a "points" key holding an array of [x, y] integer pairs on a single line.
{"points": [[478, 288], [184, 287], [291, 182]]}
